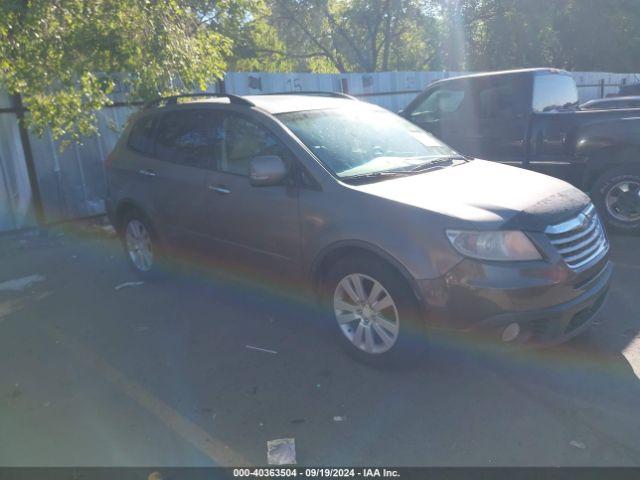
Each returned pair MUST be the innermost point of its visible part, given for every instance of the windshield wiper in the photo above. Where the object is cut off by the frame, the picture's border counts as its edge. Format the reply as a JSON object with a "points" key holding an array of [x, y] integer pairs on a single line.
{"points": [[384, 173], [437, 162]]}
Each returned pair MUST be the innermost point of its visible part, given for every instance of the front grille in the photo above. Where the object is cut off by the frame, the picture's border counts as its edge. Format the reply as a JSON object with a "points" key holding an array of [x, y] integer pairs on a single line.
{"points": [[581, 239]]}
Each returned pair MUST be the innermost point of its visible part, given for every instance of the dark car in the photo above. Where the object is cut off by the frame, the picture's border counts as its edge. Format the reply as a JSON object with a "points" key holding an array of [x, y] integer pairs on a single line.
{"points": [[611, 102], [388, 227], [530, 118]]}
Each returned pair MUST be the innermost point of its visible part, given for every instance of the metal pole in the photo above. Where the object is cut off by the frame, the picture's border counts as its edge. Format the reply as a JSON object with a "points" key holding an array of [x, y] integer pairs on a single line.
{"points": [[36, 196]]}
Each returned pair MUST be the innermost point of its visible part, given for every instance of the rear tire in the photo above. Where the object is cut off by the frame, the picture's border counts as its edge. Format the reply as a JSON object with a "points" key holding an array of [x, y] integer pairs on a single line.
{"points": [[616, 194], [141, 245], [374, 312]]}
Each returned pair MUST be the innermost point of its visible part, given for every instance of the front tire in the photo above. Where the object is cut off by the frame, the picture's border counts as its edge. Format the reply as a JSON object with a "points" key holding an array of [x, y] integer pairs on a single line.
{"points": [[617, 197], [375, 314]]}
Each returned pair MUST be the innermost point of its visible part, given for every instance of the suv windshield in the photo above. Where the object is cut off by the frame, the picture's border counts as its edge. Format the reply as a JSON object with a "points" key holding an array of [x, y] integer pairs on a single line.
{"points": [[364, 140]]}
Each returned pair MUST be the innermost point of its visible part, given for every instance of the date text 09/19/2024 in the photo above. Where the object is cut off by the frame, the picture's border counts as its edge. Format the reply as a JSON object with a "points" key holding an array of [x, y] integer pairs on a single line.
{"points": [[316, 472]]}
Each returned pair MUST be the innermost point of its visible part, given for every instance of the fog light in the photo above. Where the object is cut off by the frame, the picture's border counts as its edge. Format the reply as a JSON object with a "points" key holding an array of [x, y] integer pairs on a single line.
{"points": [[510, 333]]}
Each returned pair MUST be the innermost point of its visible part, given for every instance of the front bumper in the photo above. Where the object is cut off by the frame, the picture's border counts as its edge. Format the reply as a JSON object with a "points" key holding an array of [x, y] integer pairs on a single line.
{"points": [[550, 304]]}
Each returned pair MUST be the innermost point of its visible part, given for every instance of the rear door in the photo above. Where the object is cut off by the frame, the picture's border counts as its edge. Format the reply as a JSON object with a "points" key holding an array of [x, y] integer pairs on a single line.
{"points": [[552, 149], [185, 148], [252, 226], [553, 127]]}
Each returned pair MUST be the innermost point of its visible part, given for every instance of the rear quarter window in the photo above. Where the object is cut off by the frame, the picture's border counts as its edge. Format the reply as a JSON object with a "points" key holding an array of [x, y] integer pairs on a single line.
{"points": [[141, 136], [554, 92]]}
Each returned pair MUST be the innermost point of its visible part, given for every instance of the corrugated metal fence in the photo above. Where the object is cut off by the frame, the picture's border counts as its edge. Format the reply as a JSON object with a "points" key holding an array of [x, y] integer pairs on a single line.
{"points": [[71, 181]]}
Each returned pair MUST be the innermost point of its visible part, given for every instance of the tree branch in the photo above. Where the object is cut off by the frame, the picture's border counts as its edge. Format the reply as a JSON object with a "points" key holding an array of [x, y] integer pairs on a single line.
{"points": [[290, 54], [341, 31], [332, 58]]}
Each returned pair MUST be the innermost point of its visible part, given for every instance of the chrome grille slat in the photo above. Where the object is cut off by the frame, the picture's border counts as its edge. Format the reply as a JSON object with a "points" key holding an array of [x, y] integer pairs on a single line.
{"points": [[584, 253], [583, 244], [601, 251], [579, 240], [577, 236]]}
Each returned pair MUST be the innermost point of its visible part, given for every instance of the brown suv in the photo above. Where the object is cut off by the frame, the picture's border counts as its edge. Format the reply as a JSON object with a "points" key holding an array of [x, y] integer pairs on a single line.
{"points": [[391, 228]]}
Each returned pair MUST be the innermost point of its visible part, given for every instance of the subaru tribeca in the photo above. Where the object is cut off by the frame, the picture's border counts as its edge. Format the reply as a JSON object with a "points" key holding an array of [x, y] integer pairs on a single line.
{"points": [[391, 229]]}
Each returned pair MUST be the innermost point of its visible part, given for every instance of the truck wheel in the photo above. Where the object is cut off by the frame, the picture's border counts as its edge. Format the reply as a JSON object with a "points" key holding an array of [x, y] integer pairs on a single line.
{"points": [[617, 196], [374, 311], [141, 245]]}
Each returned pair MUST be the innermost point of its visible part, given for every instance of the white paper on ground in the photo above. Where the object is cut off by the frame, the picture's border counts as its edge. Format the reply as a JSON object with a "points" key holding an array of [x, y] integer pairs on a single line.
{"points": [[281, 451], [260, 349], [128, 284]]}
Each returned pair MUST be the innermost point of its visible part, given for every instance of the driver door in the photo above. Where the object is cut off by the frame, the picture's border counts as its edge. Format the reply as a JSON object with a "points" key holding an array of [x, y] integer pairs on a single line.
{"points": [[254, 226]]}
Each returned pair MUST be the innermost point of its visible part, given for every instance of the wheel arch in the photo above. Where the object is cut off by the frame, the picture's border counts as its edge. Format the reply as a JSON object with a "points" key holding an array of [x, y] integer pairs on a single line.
{"points": [[603, 162], [122, 208], [331, 254]]}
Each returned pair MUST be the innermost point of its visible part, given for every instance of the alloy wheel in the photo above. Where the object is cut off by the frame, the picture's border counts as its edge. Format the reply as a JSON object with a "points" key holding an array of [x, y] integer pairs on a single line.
{"points": [[366, 313], [139, 246]]}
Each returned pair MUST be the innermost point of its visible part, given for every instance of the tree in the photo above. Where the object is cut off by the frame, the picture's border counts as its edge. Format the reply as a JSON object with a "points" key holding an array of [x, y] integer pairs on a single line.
{"points": [[351, 35], [596, 35], [65, 56], [571, 34], [244, 22]]}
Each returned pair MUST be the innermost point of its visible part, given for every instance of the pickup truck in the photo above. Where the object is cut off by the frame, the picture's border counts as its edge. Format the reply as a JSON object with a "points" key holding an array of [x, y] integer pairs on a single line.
{"points": [[530, 118]]}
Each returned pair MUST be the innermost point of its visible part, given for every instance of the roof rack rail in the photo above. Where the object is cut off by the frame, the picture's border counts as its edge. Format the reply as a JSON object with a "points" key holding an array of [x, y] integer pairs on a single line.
{"points": [[173, 99], [319, 93]]}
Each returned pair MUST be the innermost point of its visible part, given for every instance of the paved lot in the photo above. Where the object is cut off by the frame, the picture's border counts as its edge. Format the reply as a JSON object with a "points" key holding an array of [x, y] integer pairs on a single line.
{"points": [[159, 374]]}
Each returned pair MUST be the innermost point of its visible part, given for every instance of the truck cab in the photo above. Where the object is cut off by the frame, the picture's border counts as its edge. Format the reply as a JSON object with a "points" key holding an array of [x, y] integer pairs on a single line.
{"points": [[530, 118]]}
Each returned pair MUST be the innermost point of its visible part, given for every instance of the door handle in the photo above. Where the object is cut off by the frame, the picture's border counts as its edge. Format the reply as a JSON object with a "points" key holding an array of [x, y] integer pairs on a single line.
{"points": [[147, 173], [222, 190]]}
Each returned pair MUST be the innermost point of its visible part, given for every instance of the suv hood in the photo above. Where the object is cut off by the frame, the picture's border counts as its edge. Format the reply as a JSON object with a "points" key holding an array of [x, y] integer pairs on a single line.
{"points": [[485, 195]]}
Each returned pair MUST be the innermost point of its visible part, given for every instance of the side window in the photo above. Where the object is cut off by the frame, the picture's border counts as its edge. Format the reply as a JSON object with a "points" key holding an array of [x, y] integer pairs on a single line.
{"points": [[141, 136], [243, 140], [554, 92], [498, 99], [439, 102], [189, 137]]}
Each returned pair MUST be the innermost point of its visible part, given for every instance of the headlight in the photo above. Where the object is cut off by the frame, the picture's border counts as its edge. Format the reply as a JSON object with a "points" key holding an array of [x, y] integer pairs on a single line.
{"points": [[499, 245]]}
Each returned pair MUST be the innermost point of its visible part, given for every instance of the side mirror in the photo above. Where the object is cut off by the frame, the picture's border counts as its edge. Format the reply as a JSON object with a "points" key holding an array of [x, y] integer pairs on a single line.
{"points": [[267, 170]]}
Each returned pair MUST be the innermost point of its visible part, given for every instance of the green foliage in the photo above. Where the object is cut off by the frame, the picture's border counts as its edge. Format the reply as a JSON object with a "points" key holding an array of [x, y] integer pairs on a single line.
{"points": [[590, 35], [378, 35], [66, 56], [243, 21], [351, 35]]}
